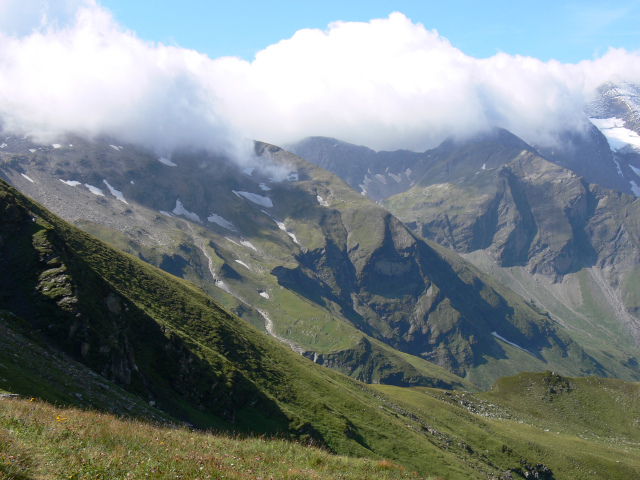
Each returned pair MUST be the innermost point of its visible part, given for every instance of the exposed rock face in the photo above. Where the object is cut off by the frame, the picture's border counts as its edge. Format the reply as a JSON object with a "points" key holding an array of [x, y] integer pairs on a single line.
{"points": [[529, 213], [564, 242]]}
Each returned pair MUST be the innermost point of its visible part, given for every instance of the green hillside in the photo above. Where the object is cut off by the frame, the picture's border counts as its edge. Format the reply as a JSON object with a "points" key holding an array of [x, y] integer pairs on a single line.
{"points": [[85, 325], [165, 341]]}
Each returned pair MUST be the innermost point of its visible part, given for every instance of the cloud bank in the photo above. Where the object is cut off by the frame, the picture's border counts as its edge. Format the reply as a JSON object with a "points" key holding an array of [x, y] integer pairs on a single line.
{"points": [[388, 84]]}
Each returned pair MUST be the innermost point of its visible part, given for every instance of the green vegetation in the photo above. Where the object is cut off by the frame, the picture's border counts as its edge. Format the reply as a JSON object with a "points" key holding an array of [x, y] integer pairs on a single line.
{"points": [[579, 428], [41, 441], [164, 340]]}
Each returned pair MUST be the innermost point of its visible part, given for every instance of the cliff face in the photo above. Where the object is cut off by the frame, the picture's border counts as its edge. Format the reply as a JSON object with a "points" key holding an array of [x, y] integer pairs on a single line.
{"points": [[528, 212]]}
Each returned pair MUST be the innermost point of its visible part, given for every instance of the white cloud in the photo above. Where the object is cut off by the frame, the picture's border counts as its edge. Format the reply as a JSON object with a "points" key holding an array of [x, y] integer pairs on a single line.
{"points": [[94, 77], [388, 83]]}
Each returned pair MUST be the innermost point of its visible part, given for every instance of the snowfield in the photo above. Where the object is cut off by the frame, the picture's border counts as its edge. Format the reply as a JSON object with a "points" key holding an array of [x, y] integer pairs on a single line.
{"points": [[94, 190], [167, 162], [255, 198], [115, 193], [617, 135], [213, 218], [71, 183], [180, 210], [495, 334]]}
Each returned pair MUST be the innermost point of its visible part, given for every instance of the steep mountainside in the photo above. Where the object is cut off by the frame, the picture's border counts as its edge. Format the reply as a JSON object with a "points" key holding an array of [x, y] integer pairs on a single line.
{"points": [[67, 294], [570, 247], [567, 246], [85, 324], [295, 251]]}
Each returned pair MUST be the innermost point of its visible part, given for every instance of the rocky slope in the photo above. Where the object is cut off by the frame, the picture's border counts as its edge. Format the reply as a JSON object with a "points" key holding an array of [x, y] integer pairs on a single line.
{"points": [[567, 246], [296, 252]]}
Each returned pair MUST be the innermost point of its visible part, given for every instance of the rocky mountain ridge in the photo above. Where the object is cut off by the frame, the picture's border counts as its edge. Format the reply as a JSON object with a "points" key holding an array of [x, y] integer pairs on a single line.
{"points": [[567, 246], [302, 256]]}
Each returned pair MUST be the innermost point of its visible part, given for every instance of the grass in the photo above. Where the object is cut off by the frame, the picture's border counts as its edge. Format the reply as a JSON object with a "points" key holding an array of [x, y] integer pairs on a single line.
{"points": [[42, 441], [580, 428]]}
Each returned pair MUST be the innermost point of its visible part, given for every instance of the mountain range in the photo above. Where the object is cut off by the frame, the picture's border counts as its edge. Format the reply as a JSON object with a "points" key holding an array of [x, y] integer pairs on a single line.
{"points": [[256, 294]]}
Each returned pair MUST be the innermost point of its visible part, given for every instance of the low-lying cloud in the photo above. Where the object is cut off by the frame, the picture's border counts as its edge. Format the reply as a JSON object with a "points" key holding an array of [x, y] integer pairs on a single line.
{"points": [[389, 83]]}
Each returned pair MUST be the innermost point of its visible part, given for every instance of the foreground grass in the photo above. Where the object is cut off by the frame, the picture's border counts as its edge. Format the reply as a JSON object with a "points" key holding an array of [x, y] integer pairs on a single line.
{"points": [[41, 441]]}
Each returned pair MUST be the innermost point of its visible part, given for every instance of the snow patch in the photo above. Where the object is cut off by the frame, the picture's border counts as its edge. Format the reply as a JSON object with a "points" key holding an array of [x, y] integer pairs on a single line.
{"points": [[167, 162], [32, 150], [213, 218], [56, 145], [248, 244], [381, 178], [243, 264], [3, 145], [407, 173], [165, 213], [115, 193], [618, 167], [282, 227], [27, 178], [264, 295], [483, 167], [115, 147], [322, 201], [255, 198], [635, 188], [232, 241], [221, 285], [635, 170], [132, 182], [293, 177], [495, 334], [397, 178], [263, 186], [71, 183], [94, 190], [71, 145], [617, 135], [248, 171], [180, 210]]}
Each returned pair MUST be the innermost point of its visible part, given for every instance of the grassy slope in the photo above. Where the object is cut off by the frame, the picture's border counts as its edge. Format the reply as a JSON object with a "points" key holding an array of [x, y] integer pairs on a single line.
{"points": [[266, 386], [38, 440], [581, 428]]}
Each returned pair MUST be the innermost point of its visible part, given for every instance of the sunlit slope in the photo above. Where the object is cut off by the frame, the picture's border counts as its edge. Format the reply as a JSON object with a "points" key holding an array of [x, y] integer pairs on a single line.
{"points": [[568, 247], [167, 342], [535, 424]]}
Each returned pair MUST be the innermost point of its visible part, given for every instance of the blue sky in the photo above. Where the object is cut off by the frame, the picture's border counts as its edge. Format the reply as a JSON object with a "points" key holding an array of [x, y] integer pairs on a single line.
{"points": [[568, 31]]}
